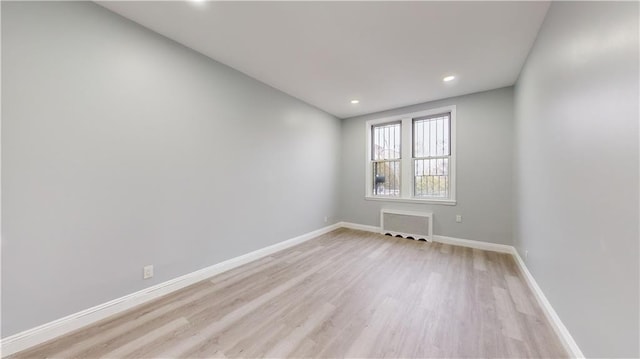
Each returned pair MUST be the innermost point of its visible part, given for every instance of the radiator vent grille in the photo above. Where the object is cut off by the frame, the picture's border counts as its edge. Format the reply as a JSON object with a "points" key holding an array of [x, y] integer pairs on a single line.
{"points": [[413, 225]]}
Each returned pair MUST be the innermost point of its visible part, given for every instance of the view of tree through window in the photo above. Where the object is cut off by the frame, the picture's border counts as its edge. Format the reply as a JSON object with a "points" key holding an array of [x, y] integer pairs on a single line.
{"points": [[385, 157], [431, 155]]}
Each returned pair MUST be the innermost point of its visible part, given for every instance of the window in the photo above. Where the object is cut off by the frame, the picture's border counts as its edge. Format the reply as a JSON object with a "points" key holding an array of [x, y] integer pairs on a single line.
{"points": [[431, 155], [412, 157], [385, 157]]}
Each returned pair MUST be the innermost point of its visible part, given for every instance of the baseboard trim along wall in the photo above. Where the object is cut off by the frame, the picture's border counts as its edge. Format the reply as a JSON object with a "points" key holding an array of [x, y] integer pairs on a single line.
{"points": [[359, 227], [56, 328], [562, 332], [494, 247]]}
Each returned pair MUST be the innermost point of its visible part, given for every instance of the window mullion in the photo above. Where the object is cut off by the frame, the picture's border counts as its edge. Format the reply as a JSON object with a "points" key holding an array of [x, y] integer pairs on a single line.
{"points": [[406, 164]]}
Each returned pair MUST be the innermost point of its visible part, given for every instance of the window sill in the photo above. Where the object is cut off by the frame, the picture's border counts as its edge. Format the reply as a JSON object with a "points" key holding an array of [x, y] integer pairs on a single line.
{"points": [[446, 202]]}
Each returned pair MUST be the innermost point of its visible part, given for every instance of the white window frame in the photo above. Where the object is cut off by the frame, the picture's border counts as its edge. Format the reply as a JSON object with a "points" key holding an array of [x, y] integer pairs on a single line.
{"points": [[406, 158]]}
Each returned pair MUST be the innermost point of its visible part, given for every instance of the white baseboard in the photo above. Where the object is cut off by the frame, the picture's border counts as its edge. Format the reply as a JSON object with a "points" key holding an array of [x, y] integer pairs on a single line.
{"points": [[494, 247], [561, 331], [487, 246], [359, 227], [56, 328], [559, 328]]}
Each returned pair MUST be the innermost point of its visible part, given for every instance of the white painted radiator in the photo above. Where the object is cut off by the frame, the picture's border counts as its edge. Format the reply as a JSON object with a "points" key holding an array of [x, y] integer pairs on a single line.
{"points": [[408, 224]]}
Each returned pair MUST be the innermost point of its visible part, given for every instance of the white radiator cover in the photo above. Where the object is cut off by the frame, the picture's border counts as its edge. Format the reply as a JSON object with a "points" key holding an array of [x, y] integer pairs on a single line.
{"points": [[418, 225]]}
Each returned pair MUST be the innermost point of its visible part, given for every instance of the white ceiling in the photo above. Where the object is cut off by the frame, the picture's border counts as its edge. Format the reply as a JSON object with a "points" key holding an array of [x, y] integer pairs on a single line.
{"points": [[385, 54]]}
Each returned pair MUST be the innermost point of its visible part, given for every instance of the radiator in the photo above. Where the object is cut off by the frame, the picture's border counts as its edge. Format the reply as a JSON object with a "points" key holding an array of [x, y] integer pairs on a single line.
{"points": [[407, 224]]}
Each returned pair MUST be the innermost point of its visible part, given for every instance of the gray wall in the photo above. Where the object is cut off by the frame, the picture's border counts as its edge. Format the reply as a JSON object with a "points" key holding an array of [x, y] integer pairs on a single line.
{"points": [[484, 169], [577, 171], [121, 148]]}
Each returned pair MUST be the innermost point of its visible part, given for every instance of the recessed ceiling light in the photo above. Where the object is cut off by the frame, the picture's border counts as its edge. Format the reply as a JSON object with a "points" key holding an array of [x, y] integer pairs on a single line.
{"points": [[355, 101], [449, 78]]}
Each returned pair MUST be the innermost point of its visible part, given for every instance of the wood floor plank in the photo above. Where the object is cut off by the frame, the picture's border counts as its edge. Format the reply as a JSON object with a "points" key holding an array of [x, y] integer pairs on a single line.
{"points": [[380, 250], [507, 314], [479, 260], [296, 335], [362, 346], [345, 293], [519, 295], [147, 338]]}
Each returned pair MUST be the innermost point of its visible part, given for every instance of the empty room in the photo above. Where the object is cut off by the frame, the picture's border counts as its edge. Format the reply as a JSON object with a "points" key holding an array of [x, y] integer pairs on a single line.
{"points": [[311, 179]]}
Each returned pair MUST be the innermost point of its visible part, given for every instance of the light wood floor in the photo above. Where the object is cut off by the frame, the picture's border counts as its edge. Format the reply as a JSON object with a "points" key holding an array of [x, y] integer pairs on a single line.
{"points": [[344, 294]]}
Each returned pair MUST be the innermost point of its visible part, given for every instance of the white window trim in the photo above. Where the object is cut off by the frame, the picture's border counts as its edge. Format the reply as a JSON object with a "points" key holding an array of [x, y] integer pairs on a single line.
{"points": [[406, 162]]}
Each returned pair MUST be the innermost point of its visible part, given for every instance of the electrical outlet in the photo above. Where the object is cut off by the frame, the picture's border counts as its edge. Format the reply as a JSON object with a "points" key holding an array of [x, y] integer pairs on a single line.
{"points": [[326, 219], [458, 218], [147, 272]]}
